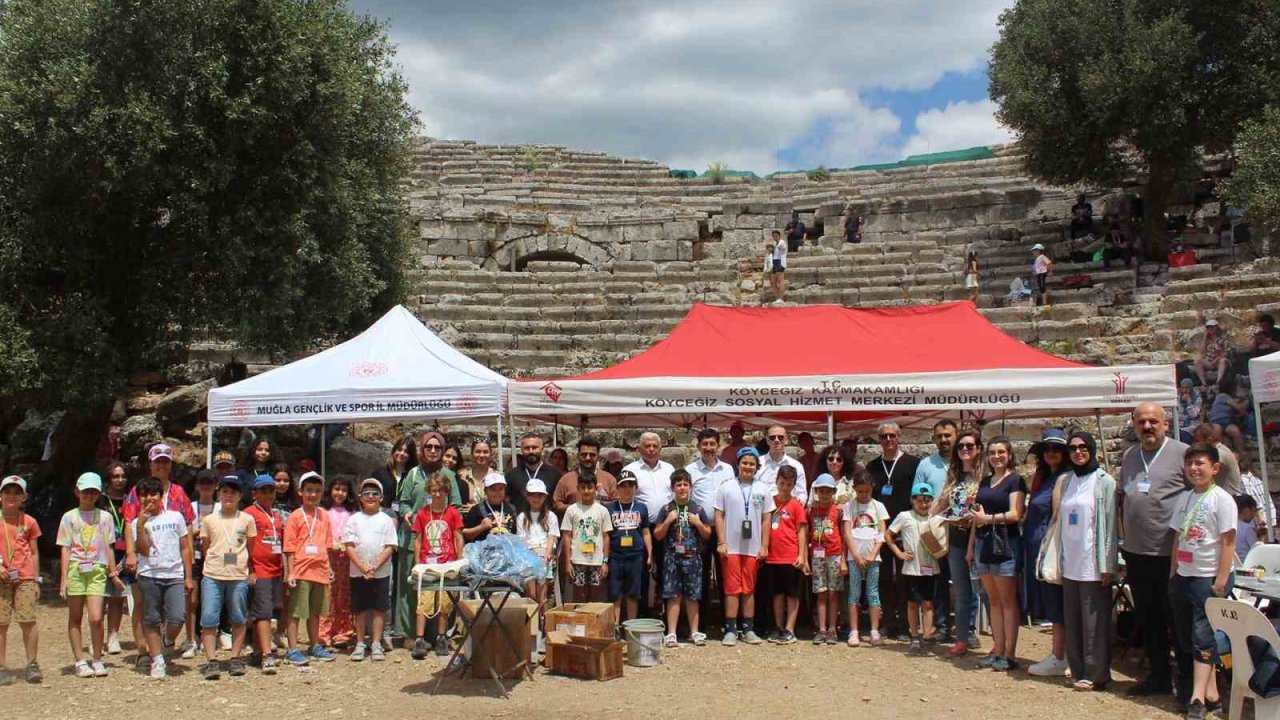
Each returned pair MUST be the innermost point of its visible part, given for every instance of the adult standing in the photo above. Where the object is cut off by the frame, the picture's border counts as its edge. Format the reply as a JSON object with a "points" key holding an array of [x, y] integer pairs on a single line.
{"points": [[653, 476], [1085, 512], [412, 496], [737, 441], [1151, 479], [566, 493], [472, 477], [531, 466], [1042, 600], [955, 505], [853, 227], [998, 511], [892, 475], [838, 462], [797, 233], [776, 458], [404, 455], [706, 474], [933, 470]]}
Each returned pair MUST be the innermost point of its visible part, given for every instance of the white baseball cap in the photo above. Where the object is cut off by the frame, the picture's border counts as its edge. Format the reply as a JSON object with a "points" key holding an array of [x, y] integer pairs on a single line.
{"points": [[535, 487], [13, 480], [496, 479], [1037, 246]]}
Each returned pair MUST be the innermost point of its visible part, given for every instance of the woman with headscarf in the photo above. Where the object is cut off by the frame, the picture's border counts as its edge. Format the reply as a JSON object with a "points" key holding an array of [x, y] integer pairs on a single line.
{"points": [[412, 496], [1042, 600], [1084, 506]]}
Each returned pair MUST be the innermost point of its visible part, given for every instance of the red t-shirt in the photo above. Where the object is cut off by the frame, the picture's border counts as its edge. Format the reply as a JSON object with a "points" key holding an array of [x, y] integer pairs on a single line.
{"points": [[784, 535], [824, 530], [437, 533], [267, 560]]}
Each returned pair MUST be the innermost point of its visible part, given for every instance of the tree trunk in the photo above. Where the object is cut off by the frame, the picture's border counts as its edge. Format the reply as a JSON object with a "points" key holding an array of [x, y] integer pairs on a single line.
{"points": [[1159, 184]]}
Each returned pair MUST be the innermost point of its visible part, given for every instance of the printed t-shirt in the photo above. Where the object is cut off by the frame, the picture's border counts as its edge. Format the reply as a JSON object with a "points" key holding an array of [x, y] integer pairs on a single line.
{"points": [[166, 531], [90, 536], [587, 525], [308, 537], [864, 521], [436, 530], [267, 559], [681, 535], [824, 532], [228, 555], [504, 515], [16, 539], [529, 528], [1200, 520], [784, 532], [629, 520], [370, 534]]}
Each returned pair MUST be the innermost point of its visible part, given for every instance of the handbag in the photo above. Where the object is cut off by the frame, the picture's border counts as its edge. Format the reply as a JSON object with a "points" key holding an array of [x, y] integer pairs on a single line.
{"points": [[934, 536], [997, 549], [1049, 559]]}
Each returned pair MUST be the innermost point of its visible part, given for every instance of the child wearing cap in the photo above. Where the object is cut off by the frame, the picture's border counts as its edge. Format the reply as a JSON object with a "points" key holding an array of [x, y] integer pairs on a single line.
{"points": [[684, 531], [586, 547], [787, 563], [19, 576], [266, 570], [744, 515], [437, 539], [827, 566], [492, 514], [159, 542], [539, 528], [370, 541], [85, 537], [226, 541], [919, 567], [1041, 268], [206, 502], [307, 537], [864, 525], [630, 548]]}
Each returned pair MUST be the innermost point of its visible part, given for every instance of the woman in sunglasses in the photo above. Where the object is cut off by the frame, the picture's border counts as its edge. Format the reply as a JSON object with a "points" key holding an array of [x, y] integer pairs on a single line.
{"points": [[1041, 600], [955, 505], [838, 462], [1084, 507]]}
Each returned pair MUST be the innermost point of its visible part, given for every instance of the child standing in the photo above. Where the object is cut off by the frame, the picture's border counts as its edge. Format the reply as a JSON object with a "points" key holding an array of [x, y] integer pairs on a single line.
{"points": [[158, 540], [1204, 529], [864, 524], [266, 570], [307, 537], [85, 536], [540, 530], [787, 562], [114, 490], [684, 532], [744, 512], [1041, 268], [586, 543], [19, 576], [437, 539], [918, 565], [370, 541], [340, 502], [827, 565], [630, 548], [226, 541], [206, 490]]}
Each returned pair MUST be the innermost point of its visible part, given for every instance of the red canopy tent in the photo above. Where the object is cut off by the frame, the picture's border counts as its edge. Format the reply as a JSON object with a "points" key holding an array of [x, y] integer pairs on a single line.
{"points": [[816, 364]]}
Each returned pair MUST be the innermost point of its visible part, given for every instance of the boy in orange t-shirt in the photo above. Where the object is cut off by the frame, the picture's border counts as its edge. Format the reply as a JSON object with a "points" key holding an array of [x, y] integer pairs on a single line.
{"points": [[19, 576], [307, 539]]}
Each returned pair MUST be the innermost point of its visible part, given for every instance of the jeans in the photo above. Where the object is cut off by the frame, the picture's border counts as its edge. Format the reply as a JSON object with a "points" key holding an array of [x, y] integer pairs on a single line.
{"points": [[215, 593], [966, 605]]}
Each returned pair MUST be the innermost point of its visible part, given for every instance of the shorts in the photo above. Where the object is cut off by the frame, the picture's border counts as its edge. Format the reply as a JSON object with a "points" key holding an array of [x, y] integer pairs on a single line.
{"points": [[18, 601], [777, 266], [126, 577], [369, 595], [86, 584], [215, 595], [825, 573], [433, 602], [626, 576], [586, 576], [782, 579], [740, 574], [164, 601], [682, 576], [970, 282], [868, 579], [197, 569], [1042, 281], [920, 588], [267, 595], [308, 599], [1005, 568], [1187, 596]]}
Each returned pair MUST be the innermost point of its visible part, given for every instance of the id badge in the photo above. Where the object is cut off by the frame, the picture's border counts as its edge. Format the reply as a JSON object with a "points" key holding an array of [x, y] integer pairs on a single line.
{"points": [[1185, 557], [588, 547], [197, 554], [395, 506], [627, 541], [311, 550], [819, 553], [746, 529], [432, 559], [276, 549], [679, 549], [1073, 518], [229, 558], [86, 567], [1143, 483], [886, 491], [13, 574]]}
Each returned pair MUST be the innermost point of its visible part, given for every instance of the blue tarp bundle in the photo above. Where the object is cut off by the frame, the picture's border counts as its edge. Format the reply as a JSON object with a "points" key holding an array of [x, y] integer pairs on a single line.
{"points": [[504, 558]]}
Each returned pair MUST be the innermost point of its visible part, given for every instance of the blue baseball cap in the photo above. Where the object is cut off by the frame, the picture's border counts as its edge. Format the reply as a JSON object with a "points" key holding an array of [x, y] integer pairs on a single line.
{"points": [[263, 480], [229, 481], [824, 481], [923, 488], [748, 451]]}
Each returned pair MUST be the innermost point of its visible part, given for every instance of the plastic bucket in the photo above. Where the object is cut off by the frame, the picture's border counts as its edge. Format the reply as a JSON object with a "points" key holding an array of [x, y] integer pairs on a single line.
{"points": [[644, 641]]}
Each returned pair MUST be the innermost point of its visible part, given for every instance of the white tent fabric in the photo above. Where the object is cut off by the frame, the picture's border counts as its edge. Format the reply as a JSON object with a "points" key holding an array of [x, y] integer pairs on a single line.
{"points": [[395, 370], [1264, 381]]}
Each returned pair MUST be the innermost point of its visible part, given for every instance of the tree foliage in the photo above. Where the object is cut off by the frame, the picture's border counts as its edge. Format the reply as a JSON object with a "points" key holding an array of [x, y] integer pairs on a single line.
{"points": [[1255, 185], [171, 170], [1087, 82]]}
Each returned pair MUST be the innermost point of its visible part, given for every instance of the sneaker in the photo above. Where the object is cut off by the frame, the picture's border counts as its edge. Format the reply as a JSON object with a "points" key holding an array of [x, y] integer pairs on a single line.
{"points": [[775, 636], [902, 637], [853, 640], [819, 638], [6, 677], [420, 649], [877, 640], [788, 638], [34, 675], [973, 642], [319, 653], [376, 653], [281, 641], [1196, 710], [113, 645], [958, 649], [730, 639], [671, 641], [987, 661], [99, 670], [1003, 664], [699, 639], [1051, 666], [235, 668], [269, 665], [916, 647], [833, 638], [224, 641], [357, 654], [442, 646], [142, 663], [751, 638], [296, 657], [83, 670], [158, 669], [211, 670], [189, 650]]}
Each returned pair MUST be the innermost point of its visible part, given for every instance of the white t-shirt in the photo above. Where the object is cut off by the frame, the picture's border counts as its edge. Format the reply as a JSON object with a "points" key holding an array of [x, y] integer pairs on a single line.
{"points": [[588, 527], [739, 503], [907, 527], [865, 522], [1200, 520], [370, 534], [706, 479], [530, 531], [1075, 520], [653, 486], [165, 560], [768, 474]]}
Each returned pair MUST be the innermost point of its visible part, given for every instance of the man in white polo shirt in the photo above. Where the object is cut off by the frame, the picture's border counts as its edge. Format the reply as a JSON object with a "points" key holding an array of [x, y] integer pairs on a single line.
{"points": [[776, 458], [708, 470], [653, 477]]}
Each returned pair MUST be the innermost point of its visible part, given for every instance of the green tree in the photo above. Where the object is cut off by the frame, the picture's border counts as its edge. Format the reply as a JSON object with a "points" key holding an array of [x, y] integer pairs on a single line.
{"points": [[1255, 185], [171, 170], [1097, 87]]}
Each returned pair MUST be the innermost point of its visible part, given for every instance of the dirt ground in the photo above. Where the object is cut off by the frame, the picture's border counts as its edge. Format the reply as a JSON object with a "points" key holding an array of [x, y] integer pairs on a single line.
{"points": [[748, 682]]}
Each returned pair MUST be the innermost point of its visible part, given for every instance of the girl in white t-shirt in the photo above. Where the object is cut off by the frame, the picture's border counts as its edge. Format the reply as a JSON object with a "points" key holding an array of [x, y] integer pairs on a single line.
{"points": [[864, 522], [539, 529]]}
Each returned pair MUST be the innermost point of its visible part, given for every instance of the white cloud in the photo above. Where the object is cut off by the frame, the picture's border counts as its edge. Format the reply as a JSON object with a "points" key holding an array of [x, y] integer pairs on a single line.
{"points": [[958, 125]]}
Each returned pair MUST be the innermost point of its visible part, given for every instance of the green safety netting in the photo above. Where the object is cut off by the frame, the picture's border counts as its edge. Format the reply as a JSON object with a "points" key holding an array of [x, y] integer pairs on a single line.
{"points": [[682, 174], [981, 152], [737, 173]]}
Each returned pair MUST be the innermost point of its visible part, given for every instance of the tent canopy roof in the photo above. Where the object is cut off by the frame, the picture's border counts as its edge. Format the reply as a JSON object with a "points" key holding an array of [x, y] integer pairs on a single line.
{"points": [[1264, 377]]}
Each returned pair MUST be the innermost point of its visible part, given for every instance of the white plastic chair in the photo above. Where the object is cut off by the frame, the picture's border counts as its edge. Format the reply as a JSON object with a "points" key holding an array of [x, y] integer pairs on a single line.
{"points": [[1264, 556], [1240, 621]]}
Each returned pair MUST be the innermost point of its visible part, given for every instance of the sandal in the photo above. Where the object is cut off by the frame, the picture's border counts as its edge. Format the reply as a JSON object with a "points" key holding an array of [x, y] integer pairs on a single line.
{"points": [[1082, 685]]}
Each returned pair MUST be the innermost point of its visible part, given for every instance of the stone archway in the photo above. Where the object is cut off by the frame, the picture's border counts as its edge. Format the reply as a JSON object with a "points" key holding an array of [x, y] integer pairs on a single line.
{"points": [[515, 253]]}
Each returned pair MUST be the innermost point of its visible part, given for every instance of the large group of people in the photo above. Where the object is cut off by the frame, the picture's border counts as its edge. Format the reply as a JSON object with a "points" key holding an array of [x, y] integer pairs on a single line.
{"points": [[902, 549]]}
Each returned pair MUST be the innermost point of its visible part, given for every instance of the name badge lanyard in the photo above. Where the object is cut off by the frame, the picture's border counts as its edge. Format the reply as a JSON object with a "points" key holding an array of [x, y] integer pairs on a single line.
{"points": [[499, 517], [9, 550], [431, 520], [1190, 514], [1146, 466], [311, 525], [888, 473], [271, 520], [232, 554], [86, 538]]}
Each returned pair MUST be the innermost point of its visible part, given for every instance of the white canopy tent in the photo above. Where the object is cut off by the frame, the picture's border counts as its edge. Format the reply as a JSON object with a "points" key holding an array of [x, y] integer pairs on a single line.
{"points": [[395, 370], [1264, 380]]}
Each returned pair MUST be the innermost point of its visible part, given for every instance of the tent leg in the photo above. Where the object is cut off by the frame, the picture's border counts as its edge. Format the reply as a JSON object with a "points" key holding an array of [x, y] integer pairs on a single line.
{"points": [[511, 432], [323, 442], [1102, 440], [501, 464], [208, 447], [831, 428], [1262, 468], [555, 432]]}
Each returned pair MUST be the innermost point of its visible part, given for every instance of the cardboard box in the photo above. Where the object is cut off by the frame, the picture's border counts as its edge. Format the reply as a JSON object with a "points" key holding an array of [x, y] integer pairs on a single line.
{"points": [[593, 620], [585, 657], [490, 648]]}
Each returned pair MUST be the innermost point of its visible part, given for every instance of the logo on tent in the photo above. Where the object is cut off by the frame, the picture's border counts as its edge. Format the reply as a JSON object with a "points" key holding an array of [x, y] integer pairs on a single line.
{"points": [[240, 410], [368, 369], [552, 391], [467, 402], [1119, 381]]}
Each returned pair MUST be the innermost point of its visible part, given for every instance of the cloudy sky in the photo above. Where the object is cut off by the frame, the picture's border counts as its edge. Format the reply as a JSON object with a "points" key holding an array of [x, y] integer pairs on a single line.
{"points": [[757, 84]]}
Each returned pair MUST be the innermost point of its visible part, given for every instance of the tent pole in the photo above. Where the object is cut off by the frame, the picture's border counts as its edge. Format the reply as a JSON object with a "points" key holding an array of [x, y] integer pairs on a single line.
{"points": [[323, 442], [501, 464], [1102, 440], [1262, 468], [555, 432], [208, 446], [511, 430], [831, 428]]}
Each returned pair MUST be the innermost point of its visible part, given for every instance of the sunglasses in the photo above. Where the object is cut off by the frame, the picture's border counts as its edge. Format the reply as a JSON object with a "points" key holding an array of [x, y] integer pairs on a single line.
{"points": [[835, 458], [778, 437], [432, 446], [888, 436], [967, 446], [370, 493], [1079, 448]]}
